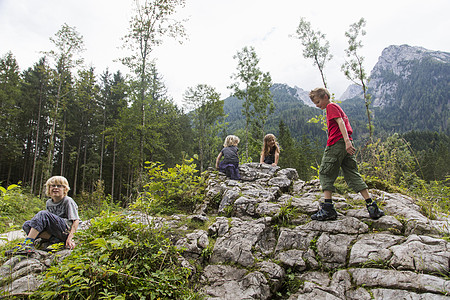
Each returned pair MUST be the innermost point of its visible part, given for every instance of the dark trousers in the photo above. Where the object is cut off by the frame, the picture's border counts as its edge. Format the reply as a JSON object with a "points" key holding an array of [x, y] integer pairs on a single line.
{"points": [[51, 223], [230, 169]]}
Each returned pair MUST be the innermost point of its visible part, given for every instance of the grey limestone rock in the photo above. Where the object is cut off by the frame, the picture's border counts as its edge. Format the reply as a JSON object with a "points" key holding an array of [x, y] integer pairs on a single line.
{"points": [[194, 243], [422, 254], [402, 280], [273, 272], [333, 248], [219, 227], [238, 243], [345, 225], [373, 248], [380, 294], [227, 282], [292, 258]]}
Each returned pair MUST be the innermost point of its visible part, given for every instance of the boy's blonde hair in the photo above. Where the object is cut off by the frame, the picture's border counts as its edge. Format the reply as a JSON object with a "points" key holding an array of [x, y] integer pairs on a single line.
{"points": [[319, 93], [231, 140], [60, 180]]}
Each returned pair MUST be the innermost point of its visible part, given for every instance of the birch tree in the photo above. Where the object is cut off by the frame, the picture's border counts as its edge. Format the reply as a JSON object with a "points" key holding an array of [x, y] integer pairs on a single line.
{"points": [[151, 22], [252, 87], [68, 45], [353, 67], [207, 110]]}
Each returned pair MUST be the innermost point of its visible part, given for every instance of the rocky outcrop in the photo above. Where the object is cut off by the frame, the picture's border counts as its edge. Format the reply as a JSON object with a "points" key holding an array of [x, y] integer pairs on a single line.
{"points": [[258, 242], [267, 229], [395, 65]]}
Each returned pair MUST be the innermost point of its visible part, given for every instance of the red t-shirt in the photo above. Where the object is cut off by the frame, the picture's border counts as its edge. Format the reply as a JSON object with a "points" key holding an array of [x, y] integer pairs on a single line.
{"points": [[334, 133]]}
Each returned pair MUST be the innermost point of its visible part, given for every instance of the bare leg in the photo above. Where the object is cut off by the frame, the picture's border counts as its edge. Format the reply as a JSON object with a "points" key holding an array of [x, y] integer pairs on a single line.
{"points": [[365, 194], [34, 234], [327, 194]]}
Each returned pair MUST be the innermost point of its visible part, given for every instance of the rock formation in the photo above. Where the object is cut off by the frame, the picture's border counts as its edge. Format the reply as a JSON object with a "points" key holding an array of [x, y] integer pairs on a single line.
{"points": [[261, 242]]}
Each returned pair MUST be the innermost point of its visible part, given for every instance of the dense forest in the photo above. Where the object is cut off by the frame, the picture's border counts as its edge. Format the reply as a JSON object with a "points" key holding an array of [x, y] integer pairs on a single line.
{"points": [[99, 129]]}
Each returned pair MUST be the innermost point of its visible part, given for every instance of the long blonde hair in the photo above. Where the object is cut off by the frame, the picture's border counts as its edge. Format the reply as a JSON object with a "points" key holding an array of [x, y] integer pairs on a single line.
{"points": [[266, 147]]}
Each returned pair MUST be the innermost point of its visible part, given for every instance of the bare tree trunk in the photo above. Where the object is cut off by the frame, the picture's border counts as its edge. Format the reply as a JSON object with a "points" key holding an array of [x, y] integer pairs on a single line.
{"points": [[9, 173], [119, 187], [41, 185], [36, 147], [63, 150], [83, 181], [49, 167], [26, 159], [77, 163], [113, 169], [102, 148]]}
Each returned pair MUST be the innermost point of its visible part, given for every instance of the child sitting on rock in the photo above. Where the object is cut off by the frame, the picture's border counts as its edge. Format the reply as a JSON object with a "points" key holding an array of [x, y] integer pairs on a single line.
{"points": [[230, 163], [339, 154], [58, 223], [270, 152]]}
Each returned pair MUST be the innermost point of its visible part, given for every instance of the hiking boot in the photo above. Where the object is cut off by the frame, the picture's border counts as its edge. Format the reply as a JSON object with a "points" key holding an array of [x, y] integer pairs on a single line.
{"points": [[326, 212], [374, 211], [24, 248]]}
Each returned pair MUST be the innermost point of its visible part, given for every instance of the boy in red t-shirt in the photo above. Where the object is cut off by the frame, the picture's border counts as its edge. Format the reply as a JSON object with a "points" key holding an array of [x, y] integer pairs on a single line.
{"points": [[338, 154]]}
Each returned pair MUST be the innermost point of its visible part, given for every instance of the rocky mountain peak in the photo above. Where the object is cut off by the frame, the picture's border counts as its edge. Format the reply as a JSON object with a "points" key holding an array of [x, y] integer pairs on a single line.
{"points": [[394, 67], [397, 58]]}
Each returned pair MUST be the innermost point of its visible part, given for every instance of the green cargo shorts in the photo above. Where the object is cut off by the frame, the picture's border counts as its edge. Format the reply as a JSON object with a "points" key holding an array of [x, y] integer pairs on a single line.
{"points": [[334, 158]]}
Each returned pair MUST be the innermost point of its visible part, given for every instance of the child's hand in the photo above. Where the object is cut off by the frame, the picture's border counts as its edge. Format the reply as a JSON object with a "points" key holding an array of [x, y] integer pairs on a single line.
{"points": [[349, 147]]}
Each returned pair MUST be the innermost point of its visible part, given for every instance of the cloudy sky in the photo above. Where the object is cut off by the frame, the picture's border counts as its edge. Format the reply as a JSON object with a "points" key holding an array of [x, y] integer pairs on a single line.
{"points": [[217, 29]]}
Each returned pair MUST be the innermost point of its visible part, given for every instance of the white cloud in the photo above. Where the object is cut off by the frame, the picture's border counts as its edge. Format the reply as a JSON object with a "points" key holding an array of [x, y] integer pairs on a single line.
{"points": [[218, 29]]}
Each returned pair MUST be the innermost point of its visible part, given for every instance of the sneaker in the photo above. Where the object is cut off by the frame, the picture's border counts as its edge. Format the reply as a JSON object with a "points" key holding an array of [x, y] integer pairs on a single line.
{"points": [[374, 211], [25, 247], [326, 212]]}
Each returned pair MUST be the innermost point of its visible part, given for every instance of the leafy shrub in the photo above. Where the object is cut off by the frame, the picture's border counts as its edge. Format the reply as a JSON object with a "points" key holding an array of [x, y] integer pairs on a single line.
{"points": [[16, 207], [388, 160], [119, 259], [177, 188], [92, 204], [390, 165]]}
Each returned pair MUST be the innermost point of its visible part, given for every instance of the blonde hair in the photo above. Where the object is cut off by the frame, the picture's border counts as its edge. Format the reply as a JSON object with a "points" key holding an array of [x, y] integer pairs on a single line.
{"points": [[266, 147], [319, 93], [60, 180], [231, 140]]}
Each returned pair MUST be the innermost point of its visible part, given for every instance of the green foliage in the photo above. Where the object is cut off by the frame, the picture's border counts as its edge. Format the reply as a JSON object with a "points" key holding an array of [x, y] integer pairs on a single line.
{"points": [[208, 119], [388, 160], [291, 285], [177, 188], [285, 215], [316, 47], [117, 258], [433, 197], [432, 151], [390, 165], [297, 155], [319, 119], [91, 205], [252, 86], [16, 207], [353, 67]]}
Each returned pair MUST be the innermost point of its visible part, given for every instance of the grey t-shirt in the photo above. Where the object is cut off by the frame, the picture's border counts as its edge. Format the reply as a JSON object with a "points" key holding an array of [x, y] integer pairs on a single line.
{"points": [[66, 209]]}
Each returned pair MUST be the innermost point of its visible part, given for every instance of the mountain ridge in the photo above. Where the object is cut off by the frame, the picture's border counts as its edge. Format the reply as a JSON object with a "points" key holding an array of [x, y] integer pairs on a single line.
{"points": [[409, 88]]}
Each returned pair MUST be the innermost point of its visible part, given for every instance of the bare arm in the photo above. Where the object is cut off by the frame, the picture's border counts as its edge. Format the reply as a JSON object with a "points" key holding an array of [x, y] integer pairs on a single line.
{"points": [[69, 242], [348, 144], [277, 156], [218, 159], [261, 159]]}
